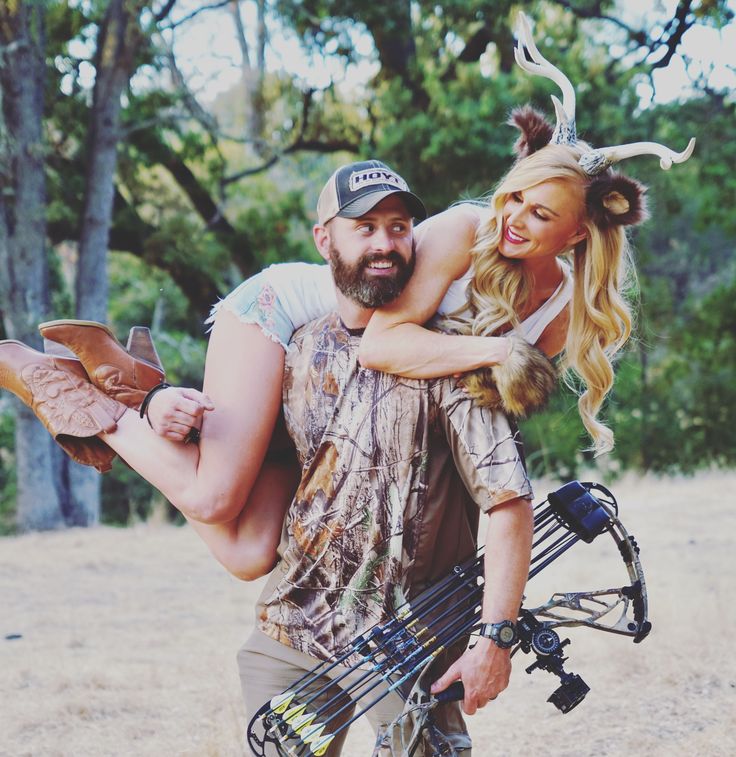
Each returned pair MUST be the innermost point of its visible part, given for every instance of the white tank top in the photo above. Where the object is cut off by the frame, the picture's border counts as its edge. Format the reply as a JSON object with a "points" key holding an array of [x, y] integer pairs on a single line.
{"points": [[532, 327], [306, 292]]}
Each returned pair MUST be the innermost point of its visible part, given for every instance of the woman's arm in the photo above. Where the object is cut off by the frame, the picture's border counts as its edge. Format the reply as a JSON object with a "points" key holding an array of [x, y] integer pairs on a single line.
{"points": [[396, 342]]}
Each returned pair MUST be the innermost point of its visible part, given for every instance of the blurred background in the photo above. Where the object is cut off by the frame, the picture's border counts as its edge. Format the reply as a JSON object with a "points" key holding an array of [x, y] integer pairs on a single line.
{"points": [[154, 154]]}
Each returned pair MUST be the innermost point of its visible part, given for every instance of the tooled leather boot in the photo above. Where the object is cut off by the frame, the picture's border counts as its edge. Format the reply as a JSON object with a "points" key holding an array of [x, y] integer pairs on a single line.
{"points": [[59, 393], [126, 375]]}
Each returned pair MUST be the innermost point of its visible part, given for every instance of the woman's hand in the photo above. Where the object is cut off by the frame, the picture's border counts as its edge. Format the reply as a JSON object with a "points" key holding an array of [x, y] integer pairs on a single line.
{"points": [[175, 411]]}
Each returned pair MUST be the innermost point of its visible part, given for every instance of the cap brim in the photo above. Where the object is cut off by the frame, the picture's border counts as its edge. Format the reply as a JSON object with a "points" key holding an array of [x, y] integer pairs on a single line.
{"points": [[361, 205]]}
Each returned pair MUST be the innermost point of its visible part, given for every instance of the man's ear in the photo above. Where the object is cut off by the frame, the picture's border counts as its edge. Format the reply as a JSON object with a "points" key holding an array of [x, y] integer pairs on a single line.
{"points": [[321, 240]]}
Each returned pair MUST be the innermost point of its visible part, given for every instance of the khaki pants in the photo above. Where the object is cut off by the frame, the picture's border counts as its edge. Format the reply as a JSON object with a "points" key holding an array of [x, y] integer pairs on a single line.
{"points": [[268, 668]]}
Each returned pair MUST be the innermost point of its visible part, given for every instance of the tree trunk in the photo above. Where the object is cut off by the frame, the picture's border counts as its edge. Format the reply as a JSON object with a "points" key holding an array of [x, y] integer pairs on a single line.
{"points": [[253, 73], [118, 41], [24, 282]]}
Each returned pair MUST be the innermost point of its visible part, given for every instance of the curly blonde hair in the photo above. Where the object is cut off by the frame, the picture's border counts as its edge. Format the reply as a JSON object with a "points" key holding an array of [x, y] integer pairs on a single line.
{"points": [[600, 316]]}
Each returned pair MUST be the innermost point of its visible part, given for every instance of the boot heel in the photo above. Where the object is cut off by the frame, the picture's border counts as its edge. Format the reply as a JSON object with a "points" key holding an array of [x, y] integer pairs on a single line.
{"points": [[140, 345], [58, 350]]}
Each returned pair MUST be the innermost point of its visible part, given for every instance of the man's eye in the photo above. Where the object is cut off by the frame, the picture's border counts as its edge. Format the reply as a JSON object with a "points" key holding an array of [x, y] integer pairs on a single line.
{"points": [[399, 228]]}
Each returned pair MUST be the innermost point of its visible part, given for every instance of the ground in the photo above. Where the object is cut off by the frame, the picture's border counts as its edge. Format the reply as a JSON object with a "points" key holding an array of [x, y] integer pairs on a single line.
{"points": [[123, 642]]}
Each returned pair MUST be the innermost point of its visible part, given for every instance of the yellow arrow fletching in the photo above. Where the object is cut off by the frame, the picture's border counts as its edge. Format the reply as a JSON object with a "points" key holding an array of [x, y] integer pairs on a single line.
{"points": [[322, 745], [281, 702], [294, 712], [301, 723], [313, 733]]}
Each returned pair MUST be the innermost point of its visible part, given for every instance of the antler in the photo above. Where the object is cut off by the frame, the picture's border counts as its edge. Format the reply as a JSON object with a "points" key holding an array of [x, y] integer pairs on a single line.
{"points": [[596, 161], [539, 66]]}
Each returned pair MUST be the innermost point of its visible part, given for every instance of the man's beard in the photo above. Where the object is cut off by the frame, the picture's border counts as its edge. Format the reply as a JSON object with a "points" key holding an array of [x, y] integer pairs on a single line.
{"points": [[366, 290]]}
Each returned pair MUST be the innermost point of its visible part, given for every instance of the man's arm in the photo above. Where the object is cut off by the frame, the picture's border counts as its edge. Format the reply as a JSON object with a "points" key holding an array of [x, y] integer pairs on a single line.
{"points": [[485, 668]]}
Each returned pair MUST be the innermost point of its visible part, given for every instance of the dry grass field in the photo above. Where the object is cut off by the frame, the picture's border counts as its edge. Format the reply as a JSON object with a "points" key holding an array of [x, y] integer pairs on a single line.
{"points": [[123, 642]]}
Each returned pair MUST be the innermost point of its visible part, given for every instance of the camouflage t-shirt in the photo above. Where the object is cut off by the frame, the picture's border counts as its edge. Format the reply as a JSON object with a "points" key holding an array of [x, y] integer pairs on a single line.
{"points": [[393, 473]]}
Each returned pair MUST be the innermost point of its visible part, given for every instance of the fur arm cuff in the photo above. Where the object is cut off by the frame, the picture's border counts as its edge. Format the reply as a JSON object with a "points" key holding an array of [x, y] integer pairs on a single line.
{"points": [[519, 386]]}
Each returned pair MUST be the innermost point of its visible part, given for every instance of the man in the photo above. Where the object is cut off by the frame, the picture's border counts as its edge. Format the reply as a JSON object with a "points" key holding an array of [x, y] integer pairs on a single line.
{"points": [[382, 508]]}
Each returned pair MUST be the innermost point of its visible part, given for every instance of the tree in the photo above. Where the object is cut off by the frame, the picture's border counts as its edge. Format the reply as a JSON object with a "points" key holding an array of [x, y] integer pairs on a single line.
{"points": [[171, 200], [23, 245], [51, 489]]}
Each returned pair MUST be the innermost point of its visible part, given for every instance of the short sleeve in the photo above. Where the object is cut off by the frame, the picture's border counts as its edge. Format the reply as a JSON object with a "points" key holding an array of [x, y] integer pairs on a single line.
{"points": [[305, 290], [485, 446], [281, 299]]}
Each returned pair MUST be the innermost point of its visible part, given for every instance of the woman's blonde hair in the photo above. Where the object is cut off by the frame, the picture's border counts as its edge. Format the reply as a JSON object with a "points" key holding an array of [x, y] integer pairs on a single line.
{"points": [[600, 317]]}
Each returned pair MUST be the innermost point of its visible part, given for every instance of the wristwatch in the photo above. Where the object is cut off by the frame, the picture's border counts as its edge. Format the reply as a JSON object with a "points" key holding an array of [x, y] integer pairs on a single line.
{"points": [[504, 634]]}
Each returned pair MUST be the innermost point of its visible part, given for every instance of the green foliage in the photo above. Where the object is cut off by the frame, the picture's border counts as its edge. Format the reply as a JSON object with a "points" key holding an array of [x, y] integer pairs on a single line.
{"points": [[681, 407], [554, 439], [276, 222], [7, 470], [126, 497], [185, 229]]}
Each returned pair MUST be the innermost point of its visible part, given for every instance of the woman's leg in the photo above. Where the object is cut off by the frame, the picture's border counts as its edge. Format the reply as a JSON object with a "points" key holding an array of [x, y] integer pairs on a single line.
{"points": [[212, 482], [246, 546]]}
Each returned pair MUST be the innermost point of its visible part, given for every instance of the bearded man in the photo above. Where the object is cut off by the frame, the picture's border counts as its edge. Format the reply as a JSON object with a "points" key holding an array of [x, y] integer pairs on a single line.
{"points": [[383, 506]]}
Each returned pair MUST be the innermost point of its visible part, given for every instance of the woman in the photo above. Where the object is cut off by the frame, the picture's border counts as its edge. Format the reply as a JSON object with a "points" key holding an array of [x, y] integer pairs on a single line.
{"points": [[507, 258]]}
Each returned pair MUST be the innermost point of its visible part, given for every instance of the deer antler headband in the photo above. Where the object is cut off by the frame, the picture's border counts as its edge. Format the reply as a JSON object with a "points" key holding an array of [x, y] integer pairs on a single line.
{"points": [[613, 199]]}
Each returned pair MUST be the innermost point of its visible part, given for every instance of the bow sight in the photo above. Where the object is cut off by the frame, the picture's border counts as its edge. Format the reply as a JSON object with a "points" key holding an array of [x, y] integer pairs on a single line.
{"points": [[395, 656]]}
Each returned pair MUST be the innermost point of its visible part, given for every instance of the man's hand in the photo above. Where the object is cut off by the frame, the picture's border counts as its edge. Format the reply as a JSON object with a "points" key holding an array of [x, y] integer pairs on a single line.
{"points": [[484, 671], [174, 411]]}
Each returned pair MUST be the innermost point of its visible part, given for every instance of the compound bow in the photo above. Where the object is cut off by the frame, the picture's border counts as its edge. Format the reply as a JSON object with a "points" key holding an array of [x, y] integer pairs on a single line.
{"points": [[396, 655]]}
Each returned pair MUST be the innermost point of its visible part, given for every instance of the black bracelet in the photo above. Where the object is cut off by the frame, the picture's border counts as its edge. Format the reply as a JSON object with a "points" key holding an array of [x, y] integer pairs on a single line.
{"points": [[147, 400]]}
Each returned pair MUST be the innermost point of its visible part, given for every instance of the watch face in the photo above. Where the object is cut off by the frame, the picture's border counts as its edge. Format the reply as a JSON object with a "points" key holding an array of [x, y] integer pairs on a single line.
{"points": [[506, 634]]}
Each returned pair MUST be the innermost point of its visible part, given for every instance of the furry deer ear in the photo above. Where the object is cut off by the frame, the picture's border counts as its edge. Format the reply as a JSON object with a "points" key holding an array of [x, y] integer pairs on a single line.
{"points": [[616, 200], [536, 130]]}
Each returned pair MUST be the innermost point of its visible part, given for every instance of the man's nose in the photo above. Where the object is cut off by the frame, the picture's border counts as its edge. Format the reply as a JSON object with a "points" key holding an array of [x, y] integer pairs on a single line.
{"points": [[383, 240]]}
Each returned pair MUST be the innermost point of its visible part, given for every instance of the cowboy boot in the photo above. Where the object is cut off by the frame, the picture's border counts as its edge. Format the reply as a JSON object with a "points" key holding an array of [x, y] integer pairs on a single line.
{"points": [[125, 374], [59, 393]]}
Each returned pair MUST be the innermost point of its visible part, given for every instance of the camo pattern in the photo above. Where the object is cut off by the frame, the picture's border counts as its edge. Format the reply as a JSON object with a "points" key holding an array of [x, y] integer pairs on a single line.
{"points": [[381, 508]]}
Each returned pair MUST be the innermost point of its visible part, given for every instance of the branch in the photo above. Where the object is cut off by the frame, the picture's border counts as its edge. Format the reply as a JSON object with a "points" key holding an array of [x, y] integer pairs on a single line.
{"points": [[202, 116], [169, 118], [474, 48], [194, 14], [309, 145], [683, 11], [638, 36], [299, 143], [252, 171], [240, 34], [313, 145], [167, 8]]}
